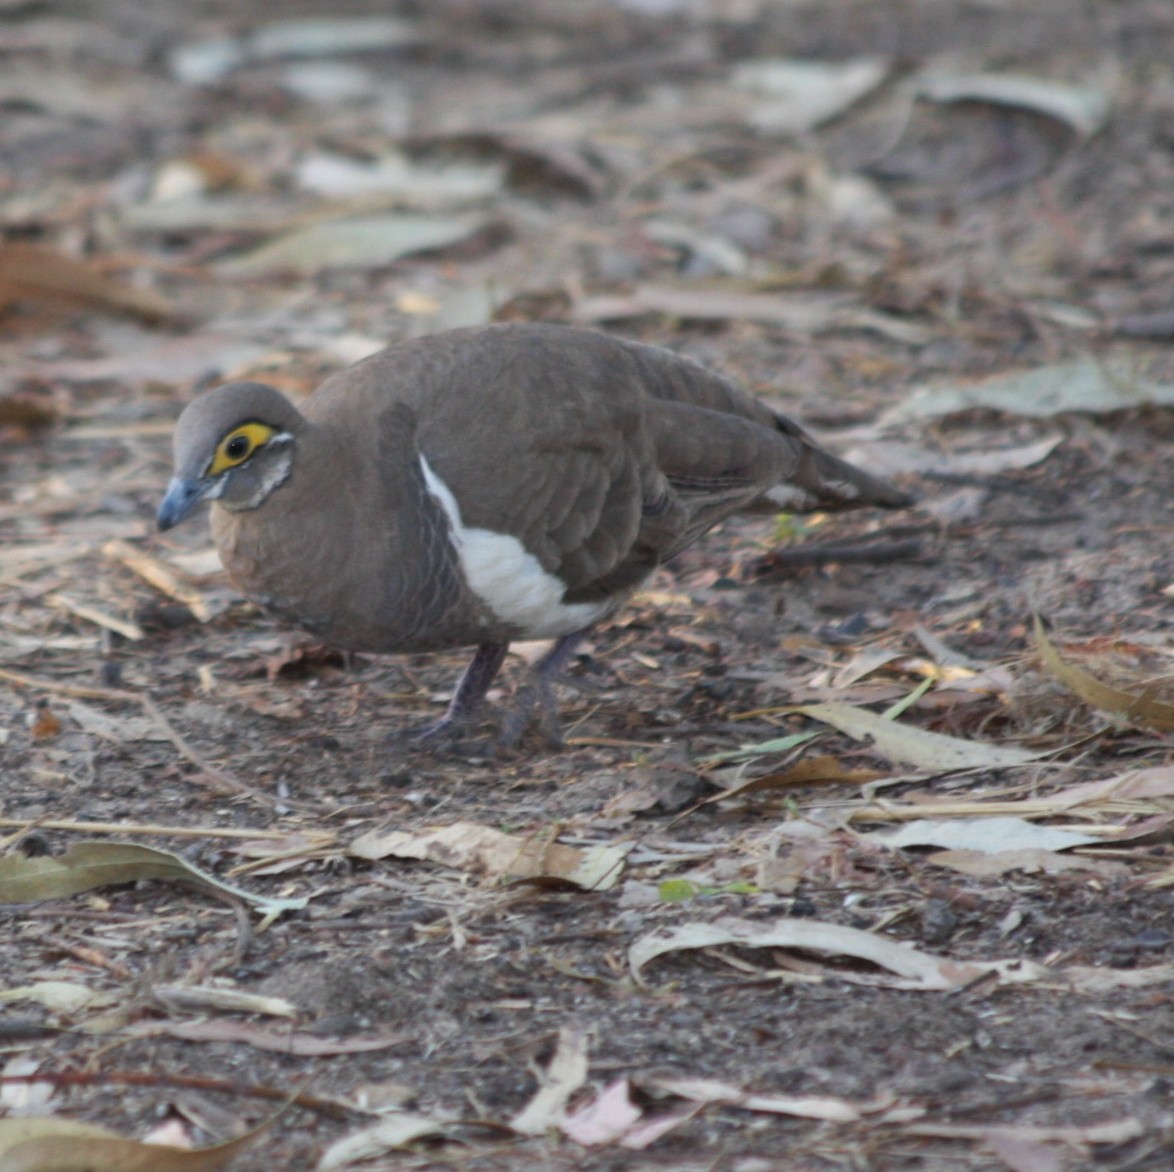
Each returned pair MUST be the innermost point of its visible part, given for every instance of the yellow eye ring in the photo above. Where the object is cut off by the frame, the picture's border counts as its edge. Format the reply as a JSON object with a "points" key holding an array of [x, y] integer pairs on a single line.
{"points": [[238, 445]]}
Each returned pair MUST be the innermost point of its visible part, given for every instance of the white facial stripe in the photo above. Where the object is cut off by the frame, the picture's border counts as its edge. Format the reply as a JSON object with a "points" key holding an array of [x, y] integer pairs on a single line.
{"points": [[509, 579], [276, 473], [273, 474]]}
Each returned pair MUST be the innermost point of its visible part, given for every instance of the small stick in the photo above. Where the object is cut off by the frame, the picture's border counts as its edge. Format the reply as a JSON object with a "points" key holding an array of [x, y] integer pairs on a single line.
{"points": [[61, 688], [874, 552], [92, 614], [193, 1082], [159, 575], [152, 828], [229, 784], [80, 692]]}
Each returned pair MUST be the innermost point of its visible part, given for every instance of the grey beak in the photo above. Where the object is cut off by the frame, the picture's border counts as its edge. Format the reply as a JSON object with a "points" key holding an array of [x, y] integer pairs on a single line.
{"points": [[182, 496]]}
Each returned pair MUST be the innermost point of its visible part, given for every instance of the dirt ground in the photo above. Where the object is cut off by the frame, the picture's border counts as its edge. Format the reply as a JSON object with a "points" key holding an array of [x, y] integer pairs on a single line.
{"points": [[619, 166]]}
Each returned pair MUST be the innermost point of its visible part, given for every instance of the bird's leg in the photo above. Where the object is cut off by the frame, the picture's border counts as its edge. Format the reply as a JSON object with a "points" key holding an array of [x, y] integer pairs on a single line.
{"points": [[470, 690], [540, 694]]}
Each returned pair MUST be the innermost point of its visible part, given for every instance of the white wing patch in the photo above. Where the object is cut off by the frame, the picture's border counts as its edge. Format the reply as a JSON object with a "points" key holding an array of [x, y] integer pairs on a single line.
{"points": [[508, 578], [788, 496]]}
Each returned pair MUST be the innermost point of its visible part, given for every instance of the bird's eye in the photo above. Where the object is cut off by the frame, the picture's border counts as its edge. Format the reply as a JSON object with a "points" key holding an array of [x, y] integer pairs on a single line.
{"points": [[239, 444]]}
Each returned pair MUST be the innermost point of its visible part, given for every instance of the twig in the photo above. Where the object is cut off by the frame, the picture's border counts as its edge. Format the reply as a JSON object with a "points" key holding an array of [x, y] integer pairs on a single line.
{"points": [[92, 614], [872, 552], [228, 784], [192, 1082], [159, 575], [151, 828], [61, 688]]}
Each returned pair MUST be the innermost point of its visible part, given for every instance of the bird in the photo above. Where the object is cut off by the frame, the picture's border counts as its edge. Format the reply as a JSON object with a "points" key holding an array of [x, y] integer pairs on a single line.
{"points": [[484, 485]]}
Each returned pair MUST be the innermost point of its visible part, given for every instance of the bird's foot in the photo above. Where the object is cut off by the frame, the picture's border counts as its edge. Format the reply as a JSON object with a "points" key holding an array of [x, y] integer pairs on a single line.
{"points": [[537, 697], [466, 701]]}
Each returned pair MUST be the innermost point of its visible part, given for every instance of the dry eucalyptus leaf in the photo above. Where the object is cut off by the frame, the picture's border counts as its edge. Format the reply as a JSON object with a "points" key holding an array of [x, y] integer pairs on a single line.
{"points": [[606, 1118], [481, 850], [364, 242], [91, 864], [806, 313], [49, 1144], [708, 1090], [908, 745], [303, 1044], [1115, 1132], [991, 836], [898, 456], [30, 272], [1081, 108], [910, 968], [208, 61], [60, 996], [219, 1000], [429, 184], [1092, 387], [566, 1073], [1135, 709], [981, 865], [799, 95], [369, 1143]]}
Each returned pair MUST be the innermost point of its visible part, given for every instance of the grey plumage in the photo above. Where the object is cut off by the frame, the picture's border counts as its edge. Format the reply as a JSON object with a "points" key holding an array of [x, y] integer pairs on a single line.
{"points": [[380, 515]]}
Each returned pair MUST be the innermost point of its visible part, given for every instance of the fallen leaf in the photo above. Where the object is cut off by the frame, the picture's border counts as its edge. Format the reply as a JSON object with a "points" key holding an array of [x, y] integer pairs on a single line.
{"points": [[207, 61], [991, 836], [982, 865], [220, 1000], [800, 95], [566, 1073], [50, 1144], [893, 456], [1023, 1155], [606, 1118], [1136, 709], [1081, 108], [1088, 386], [432, 185], [91, 864], [707, 1090], [295, 1042], [190, 358], [823, 770], [369, 1143], [60, 996], [807, 313], [30, 272], [481, 850], [115, 728], [645, 1133], [1115, 1132], [908, 745], [363, 242], [1096, 979], [911, 969], [761, 748]]}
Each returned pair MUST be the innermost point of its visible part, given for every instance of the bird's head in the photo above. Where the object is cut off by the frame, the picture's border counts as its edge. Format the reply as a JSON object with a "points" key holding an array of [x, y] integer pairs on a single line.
{"points": [[235, 445]]}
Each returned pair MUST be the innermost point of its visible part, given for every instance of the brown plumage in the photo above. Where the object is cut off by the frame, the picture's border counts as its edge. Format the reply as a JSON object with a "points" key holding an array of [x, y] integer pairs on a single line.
{"points": [[480, 486]]}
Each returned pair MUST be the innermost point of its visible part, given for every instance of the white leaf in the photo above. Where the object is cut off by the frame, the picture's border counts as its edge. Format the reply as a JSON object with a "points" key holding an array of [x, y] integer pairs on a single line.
{"points": [[991, 836], [915, 746]]}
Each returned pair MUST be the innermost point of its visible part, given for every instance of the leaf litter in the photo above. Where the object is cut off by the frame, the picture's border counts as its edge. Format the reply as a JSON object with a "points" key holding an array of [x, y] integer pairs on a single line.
{"points": [[620, 181]]}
